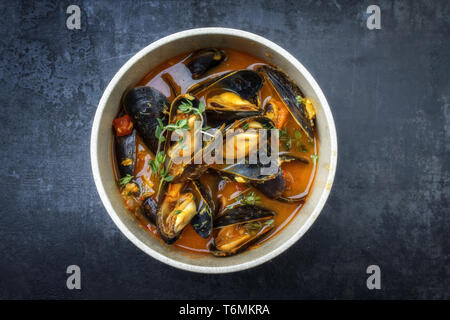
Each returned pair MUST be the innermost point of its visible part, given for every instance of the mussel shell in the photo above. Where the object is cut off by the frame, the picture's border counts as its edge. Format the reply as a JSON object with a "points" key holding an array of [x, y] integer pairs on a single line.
{"points": [[288, 92], [178, 101], [245, 83], [275, 188], [217, 117], [149, 209], [144, 105], [243, 214], [168, 238], [266, 122], [204, 60], [126, 149], [242, 170], [240, 215], [191, 171], [203, 221]]}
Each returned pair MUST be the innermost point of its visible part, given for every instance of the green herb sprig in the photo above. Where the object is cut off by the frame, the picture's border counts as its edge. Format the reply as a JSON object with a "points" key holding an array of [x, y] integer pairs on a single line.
{"points": [[158, 168], [250, 198], [125, 180], [288, 140]]}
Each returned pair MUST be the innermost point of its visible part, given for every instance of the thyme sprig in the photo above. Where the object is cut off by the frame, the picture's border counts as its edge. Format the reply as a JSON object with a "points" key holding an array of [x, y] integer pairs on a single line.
{"points": [[250, 198], [125, 180]]}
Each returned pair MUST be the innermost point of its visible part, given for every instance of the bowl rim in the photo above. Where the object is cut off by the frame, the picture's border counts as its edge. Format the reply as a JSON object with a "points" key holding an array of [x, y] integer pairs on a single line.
{"points": [[101, 189]]}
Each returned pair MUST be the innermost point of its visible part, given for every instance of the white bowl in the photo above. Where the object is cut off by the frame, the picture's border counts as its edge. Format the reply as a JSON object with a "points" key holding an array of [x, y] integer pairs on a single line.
{"points": [[136, 68]]}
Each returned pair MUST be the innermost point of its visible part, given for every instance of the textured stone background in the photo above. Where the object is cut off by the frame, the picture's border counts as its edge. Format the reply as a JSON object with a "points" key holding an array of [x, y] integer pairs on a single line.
{"points": [[389, 91]]}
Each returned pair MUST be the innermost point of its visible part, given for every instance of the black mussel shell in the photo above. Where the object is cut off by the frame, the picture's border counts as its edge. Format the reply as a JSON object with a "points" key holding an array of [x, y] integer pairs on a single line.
{"points": [[243, 171], [126, 153], [289, 92], [242, 214], [191, 171], [245, 83], [150, 209], [203, 221], [273, 188], [168, 237], [217, 117], [144, 105], [204, 60]]}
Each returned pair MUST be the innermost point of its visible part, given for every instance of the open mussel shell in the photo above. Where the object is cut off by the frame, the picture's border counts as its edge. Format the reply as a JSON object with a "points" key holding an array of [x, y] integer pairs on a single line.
{"points": [[242, 170], [231, 96], [206, 209], [275, 188], [201, 61], [183, 149], [245, 83], [288, 92], [144, 105], [175, 211], [126, 153], [188, 168], [226, 107], [239, 228]]}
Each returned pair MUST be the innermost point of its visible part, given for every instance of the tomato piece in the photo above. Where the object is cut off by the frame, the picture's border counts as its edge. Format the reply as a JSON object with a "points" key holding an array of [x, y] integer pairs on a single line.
{"points": [[281, 117], [123, 125]]}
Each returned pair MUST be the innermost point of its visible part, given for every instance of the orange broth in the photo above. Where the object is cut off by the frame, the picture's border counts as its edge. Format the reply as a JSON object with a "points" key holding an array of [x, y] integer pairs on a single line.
{"points": [[299, 176]]}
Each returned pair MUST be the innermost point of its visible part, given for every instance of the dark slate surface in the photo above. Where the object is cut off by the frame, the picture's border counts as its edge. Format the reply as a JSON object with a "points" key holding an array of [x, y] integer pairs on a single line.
{"points": [[389, 91]]}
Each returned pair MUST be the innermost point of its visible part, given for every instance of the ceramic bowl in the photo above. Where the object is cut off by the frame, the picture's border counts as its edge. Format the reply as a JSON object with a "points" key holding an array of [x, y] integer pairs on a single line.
{"points": [[135, 69]]}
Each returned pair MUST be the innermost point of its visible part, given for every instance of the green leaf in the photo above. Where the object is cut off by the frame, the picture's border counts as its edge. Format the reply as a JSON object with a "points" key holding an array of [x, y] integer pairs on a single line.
{"points": [[123, 181], [153, 166], [160, 157], [245, 126], [177, 212], [297, 134], [299, 99], [171, 127], [283, 133], [289, 144], [169, 178], [201, 107]]}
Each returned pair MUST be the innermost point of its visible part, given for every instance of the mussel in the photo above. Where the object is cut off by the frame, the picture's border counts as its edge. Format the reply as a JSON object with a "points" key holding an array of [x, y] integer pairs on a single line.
{"points": [[301, 109], [144, 105], [187, 147], [183, 203], [175, 211], [275, 188], [204, 60], [242, 146], [239, 228], [149, 209], [231, 96], [126, 153], [206, 209]]}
